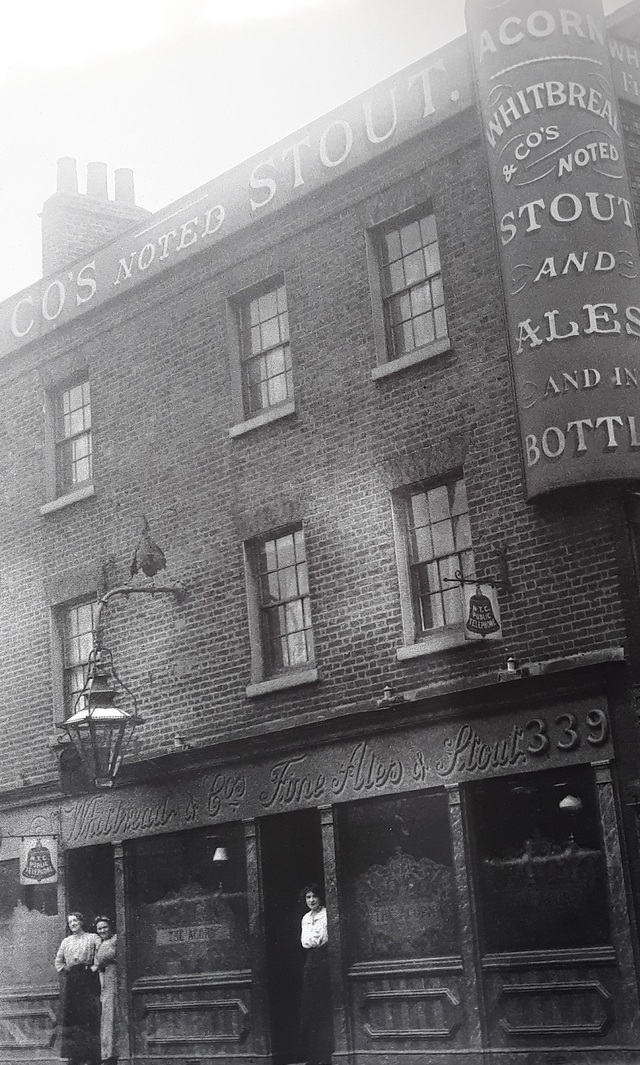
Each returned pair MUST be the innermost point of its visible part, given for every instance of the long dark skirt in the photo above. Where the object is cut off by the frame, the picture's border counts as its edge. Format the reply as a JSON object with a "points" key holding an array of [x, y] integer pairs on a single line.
{"points": [[316, 1015], [81, 1017]]}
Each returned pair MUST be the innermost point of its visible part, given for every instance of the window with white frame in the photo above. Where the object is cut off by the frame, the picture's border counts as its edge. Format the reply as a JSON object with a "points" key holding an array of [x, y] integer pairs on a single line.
{"points": [[73, 447], [282, 604], [435, 547], [411, 284], [265, 351], [76, 625]]}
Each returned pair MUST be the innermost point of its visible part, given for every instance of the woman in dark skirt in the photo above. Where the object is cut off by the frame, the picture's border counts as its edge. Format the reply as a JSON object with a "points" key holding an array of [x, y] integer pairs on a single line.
{"points": [[316, 1015], [80, 994]]}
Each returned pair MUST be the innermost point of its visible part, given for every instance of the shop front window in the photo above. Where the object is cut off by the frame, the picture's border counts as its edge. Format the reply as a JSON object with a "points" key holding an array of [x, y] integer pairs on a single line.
{"points": [[191, 902], [29, 929], [540, 865], [399, 889]]}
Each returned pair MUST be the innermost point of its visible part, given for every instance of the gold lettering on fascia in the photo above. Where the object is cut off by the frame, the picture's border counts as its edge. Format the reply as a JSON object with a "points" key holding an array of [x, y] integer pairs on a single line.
{"points": [[361, 771], [90, 819]]}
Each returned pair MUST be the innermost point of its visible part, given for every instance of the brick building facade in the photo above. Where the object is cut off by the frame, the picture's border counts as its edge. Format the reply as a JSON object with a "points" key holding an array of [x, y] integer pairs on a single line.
{"points": [[305, 387]]}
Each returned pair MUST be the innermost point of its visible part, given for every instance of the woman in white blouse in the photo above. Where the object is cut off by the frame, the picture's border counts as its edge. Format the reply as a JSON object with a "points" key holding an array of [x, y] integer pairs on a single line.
{"points": [[80, 994], [316, 1018]]}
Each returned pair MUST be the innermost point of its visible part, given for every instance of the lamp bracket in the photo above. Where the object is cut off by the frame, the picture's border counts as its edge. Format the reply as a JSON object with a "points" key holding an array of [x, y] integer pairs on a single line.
{"points": [[179, 593]]}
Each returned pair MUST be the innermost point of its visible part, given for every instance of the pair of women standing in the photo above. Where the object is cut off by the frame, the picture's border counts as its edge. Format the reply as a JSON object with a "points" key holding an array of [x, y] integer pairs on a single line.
{"points": [[87, 959]]}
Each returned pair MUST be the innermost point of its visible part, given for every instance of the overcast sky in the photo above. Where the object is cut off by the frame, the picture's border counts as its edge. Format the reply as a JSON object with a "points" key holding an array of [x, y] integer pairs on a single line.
{"points": [[180, 90]]}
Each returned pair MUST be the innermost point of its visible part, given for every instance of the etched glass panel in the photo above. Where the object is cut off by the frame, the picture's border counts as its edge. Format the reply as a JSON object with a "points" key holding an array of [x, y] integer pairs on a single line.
{"points": [[191, 910], [540, 866], [398, 889]]}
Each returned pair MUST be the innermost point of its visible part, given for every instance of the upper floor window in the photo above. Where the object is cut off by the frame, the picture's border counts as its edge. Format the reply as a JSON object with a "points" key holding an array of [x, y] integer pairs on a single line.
{"points": [[411, 285], [265, 351], [76, 631], [439, 547], [285, 608], [73, 437], [434, 545]]}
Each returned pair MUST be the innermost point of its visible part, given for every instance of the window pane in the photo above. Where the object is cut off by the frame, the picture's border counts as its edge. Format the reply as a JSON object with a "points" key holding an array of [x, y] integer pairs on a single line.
{"points": [[270, 333], [428, 229], [462, 532], [277, 390], [440, 322], [398, 892], [191, 911], [432, 259], [420, 299], [541, 870], [410, 239], [420, 508], [395, 277], [442, 533], [391, 246], [267, 305], [439, 502], [423, 330], [414, 268], [459, 498], [422, 544]]}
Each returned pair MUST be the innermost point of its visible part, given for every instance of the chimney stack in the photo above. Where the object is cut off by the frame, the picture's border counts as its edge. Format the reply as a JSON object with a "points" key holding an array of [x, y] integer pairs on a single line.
{"points": [[97, 181], [67, 175], [74, 224], [124, 185]]}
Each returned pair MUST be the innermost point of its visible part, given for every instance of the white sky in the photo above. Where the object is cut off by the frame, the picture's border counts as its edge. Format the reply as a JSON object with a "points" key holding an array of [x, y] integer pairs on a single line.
{"points": [[180, 90]]}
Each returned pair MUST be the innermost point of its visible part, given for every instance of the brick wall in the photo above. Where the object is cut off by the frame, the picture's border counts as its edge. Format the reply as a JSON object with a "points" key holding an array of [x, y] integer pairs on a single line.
{"points": [[161, 397]]}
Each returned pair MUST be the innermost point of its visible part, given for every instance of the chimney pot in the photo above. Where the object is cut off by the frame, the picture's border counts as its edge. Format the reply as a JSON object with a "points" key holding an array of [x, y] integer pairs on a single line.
{"points": [[67, 175], [124, 189], [97, 181]]}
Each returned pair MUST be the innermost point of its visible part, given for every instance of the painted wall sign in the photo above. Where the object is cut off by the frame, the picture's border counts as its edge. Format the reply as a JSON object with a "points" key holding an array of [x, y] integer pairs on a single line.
{"points": [[566, 235], [625, 64], [411, 102], [382, 765]]}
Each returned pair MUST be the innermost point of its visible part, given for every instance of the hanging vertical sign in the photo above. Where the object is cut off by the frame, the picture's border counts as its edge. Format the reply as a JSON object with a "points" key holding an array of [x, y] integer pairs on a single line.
{"points": [[566, 236], [38, 860], [481, 612]]}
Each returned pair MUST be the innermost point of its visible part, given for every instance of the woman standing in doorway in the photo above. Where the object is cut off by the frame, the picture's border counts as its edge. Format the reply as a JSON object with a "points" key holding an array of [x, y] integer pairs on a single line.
{"points": [[105, 965], [80, 995], [316, 1020]]}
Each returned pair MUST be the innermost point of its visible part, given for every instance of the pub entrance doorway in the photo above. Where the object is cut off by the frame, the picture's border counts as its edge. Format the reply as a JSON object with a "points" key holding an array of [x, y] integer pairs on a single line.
{"points": [[291, 847], [91, 883]]}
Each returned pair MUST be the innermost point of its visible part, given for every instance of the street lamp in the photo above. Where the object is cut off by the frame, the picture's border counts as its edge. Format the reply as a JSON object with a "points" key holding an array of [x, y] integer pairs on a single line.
{"points": [[99, 730]]}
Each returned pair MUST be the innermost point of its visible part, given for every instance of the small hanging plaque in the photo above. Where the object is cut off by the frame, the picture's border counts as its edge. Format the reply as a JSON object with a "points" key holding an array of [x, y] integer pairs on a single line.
{"points": [[481, 612], [38, 860]]}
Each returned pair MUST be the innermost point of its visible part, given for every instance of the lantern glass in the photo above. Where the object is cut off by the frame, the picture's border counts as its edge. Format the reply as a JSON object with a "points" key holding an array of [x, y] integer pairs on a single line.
{"points": [[99, 730]]}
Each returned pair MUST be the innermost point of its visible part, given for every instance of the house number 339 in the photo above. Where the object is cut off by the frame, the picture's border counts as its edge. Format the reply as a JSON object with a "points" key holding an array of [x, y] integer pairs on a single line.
{"points": [[566, 732]]}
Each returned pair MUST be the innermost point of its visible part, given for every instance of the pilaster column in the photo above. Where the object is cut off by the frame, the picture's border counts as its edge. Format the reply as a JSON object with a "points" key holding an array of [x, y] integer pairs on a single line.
{"points": [[124, 998], [255, 903], [334, 924]]}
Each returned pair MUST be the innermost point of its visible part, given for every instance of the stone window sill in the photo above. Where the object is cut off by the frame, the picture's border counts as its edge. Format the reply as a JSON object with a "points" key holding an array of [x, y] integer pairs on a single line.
{"points": [[87, 491], [287, 680], [438, 640], [414, 358], [273, 414]]}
